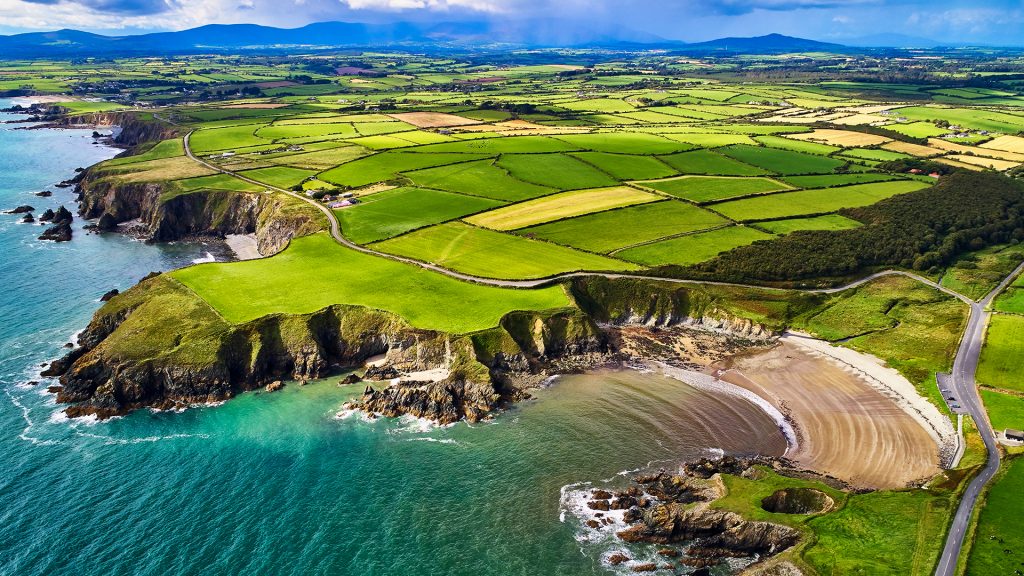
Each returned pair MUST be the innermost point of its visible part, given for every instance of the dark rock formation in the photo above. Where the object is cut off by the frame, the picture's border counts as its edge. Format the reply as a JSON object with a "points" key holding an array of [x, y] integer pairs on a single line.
{"points": [[798, 501], [108, 295], [350, 379], [62, 216], [444, 402], [275, 386], [106, 223], [382, 372], [21, 209], [58, 233], [27, 218], [44, 194], [47, 215]]}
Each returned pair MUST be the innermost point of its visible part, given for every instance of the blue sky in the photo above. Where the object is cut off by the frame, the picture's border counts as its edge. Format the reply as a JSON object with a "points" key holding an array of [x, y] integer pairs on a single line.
{"points": [[948, 21]]}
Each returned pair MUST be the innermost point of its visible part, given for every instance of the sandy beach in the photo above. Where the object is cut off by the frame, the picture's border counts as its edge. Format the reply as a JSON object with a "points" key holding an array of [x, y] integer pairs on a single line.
{"points": [[243, 245], [854, 418]]}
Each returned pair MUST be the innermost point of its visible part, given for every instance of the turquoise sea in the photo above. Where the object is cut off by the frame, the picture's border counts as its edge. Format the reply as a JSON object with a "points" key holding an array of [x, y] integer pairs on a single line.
{"points": [[279, 483]]}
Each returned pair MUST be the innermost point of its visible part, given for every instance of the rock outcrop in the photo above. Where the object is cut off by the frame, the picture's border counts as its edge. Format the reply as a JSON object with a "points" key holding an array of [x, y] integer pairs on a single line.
{"points": [[798, 501], [163, 217]]}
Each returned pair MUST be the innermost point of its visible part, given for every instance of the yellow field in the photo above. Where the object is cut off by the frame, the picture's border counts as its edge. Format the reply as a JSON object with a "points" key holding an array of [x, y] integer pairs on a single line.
{"points": [[844, 138], [912, 149], [984, 162], [1006, 143], [432, 119], [859, 119], [956, 164], [977, 150], [558, 206], [173, 168]]}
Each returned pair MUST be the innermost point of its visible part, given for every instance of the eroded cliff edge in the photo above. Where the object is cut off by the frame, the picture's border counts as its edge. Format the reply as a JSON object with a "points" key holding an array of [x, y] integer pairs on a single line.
{"points": [[160, 345]]}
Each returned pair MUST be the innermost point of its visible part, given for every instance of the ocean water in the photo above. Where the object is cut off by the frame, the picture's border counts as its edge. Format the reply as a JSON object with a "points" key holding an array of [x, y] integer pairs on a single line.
{"points": [[280, 483]]}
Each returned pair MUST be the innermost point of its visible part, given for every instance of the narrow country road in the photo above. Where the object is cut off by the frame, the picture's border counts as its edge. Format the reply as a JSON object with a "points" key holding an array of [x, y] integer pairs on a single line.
{"points": [[964, 366], [964, 386]]}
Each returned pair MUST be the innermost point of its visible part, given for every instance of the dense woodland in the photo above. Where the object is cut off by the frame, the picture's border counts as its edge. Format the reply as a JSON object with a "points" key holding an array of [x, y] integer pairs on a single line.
{"points": [[920, 230]]}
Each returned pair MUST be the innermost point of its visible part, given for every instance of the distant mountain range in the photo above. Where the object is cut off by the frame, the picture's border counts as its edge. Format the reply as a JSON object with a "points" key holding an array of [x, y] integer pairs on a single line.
{"points": [[240, 37]]}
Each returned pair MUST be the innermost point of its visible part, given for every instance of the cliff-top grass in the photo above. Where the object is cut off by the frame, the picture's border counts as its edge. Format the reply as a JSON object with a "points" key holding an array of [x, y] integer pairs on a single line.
{"points": [[315, 272]]}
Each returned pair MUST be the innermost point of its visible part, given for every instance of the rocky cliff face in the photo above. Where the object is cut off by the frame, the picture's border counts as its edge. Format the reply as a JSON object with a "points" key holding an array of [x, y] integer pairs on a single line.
{"points": [[138, 352], [275, 219]]}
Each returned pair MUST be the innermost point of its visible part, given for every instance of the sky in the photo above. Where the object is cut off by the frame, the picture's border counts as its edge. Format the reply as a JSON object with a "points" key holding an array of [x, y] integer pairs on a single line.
{"points": [[945, 21]]}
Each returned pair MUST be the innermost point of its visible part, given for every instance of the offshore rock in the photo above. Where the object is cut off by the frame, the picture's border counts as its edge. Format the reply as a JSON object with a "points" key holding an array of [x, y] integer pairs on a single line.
{"points": [[27, 218], [21, 209], [47, 215], [59, 233], [443, 402]]}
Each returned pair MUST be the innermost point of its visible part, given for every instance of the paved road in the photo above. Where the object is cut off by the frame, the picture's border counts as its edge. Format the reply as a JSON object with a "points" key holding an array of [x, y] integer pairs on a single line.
{"points": [[966, 391], [964, 366]]}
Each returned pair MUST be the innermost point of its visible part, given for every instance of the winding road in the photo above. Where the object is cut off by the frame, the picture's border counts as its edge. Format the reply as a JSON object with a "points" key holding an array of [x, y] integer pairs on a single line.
{"points": [[964, 366], [963, 383]]}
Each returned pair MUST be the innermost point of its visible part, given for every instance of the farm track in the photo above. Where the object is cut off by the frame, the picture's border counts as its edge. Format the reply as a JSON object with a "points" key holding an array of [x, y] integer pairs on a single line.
{"points": [[964, 367]]}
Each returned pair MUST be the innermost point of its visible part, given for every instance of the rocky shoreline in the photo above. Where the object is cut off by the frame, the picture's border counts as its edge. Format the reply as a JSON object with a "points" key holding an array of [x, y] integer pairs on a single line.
{"points": [[675, 516]]}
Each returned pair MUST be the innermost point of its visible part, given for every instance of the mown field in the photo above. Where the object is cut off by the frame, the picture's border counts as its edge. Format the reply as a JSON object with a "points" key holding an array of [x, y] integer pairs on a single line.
{"points": [[1000, 365], [315, 272], [998, 540]]}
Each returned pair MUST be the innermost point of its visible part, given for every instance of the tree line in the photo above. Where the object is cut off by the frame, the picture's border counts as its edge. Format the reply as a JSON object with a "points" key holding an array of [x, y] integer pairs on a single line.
{"points": [[920, 230]]}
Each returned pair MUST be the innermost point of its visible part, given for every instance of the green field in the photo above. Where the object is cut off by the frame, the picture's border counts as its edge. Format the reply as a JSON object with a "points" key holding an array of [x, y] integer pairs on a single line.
{"points": [[710, 163], [315, 272], [693, 248], [998, 540], [815, 201], [386, 165], [280, 176], [480, 178], [230, 138], [625, 143], [1011, 301], [555, 170], [782, 161], [614, 229], [1000, 363], [625, 166], [490, 254], [826, 222], [898, 533], [702, 189], [829, 180], [975, 274], [1004, 410], [392, 212]]}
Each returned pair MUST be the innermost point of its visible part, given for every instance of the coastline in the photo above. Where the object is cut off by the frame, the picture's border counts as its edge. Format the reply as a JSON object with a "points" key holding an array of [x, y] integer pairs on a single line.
{"points": [[851, 423]]}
